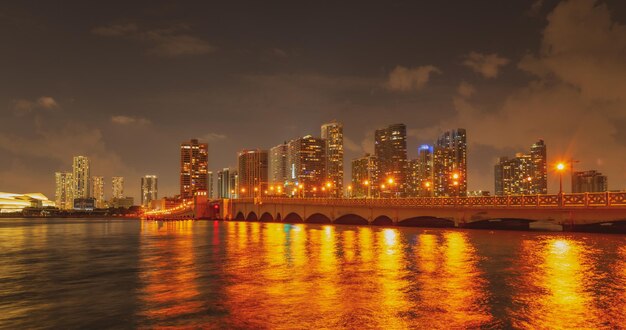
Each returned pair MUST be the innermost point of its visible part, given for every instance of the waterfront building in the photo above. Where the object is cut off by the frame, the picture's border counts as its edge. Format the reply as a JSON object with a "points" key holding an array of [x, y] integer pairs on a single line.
{"points": [[589, 181], [525, 174], [123, 202], [211, 185], [64, 190], [84, 204], [252, 172], [233, 179], [11, 203], [277, 172], [81, 175], [365, 176], [538, 155], [332, 133], [449, 164], [194, 157], [97, 191], [149, 190], [306, 161], [117, 187], [421, 172], [390, 151], [224, 190]]}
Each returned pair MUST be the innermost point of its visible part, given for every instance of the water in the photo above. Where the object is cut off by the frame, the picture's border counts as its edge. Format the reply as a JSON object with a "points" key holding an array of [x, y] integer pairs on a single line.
{"points": [[60, 273]]}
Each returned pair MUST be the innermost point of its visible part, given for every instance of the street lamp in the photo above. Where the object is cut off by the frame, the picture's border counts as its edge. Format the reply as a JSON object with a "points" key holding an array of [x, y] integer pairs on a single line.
{"points": [[455, 177], [349, 191], [560, 167], [367, 184]]}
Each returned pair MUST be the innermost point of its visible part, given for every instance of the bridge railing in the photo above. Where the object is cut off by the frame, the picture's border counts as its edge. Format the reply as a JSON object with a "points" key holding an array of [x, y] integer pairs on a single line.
{"points": [[604, 199]]}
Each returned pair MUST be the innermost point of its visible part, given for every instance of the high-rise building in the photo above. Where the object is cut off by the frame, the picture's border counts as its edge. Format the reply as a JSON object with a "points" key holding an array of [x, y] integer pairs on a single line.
{"points": [[306, 163], [194, 157], [539, 178], [149, 190], [224, 190], [277, 173], [252, 172], [97, 190], [117, 187], [421, 172], [64, 187], [450, 164], [589, 181], [525, 174], [233, 179], [513, 176], [211, 185], [333, 134], [81, 175], [365, 176], [390, 150]]}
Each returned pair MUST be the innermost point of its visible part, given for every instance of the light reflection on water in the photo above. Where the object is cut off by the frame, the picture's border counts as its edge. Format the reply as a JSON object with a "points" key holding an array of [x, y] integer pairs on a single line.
{"points": [[284, 276]]}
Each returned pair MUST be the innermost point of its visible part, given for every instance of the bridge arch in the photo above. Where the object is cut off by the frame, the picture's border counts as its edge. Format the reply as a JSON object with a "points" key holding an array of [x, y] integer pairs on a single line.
{"points": [[293, 217], [426, 221], [266, 217], [382, 220], [351, 219], [252, 216], [318, 218], [239, 216]]}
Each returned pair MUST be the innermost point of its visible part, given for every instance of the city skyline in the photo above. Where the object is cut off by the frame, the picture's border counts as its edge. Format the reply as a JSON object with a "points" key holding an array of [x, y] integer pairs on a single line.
{"points": [[521, 84]]}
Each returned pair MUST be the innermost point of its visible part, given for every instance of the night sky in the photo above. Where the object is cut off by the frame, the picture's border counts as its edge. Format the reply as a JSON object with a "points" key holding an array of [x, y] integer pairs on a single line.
{"points": [[125, 83]]}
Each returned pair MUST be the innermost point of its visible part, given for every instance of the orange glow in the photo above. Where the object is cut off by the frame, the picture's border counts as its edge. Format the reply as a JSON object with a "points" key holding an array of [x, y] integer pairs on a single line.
{"points": [[328, 184], [455, 176], [560, 167], [390, 181]]}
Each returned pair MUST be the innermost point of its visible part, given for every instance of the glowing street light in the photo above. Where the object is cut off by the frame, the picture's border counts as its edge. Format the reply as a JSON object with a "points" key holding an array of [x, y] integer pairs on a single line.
{"points": [[560, 167]]}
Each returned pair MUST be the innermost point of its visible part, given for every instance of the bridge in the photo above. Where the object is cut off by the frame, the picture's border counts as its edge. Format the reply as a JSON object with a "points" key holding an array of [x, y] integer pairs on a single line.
{"points": [[585, 211]]}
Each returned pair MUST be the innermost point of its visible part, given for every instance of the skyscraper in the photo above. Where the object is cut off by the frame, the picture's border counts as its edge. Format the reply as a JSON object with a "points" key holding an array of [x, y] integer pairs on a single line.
{"points": [[117, 187], [421, 172], [364, 176], [149, 189], [211, 184], [252, 172], [333, 134], [97, 190], [589, 181], [81, 176], [450, 164], [277, 173], [538, 156], [224, 189], [306, 163], [194, 158], [390, 150], [64, 186], [524, 174], [514, 176]]}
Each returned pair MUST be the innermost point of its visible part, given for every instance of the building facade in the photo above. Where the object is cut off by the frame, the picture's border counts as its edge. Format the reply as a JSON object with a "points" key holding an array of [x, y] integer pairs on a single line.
{"points": [[81, 175], [390, 150], [450, 164], [525, 174], [277, 172], [211, 185], [149, 190], [253, 166], [97, 191], [365, 177], [64, 190], [332, 133], [421, 173], [306, 163], [589, 181], [117, 187], [194, 157]]}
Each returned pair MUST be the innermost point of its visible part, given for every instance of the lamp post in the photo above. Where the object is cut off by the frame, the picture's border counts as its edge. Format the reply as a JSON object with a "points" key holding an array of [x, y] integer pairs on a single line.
{"points": [[455, 177], [391, 182], [368, 185], [560, 167]]}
